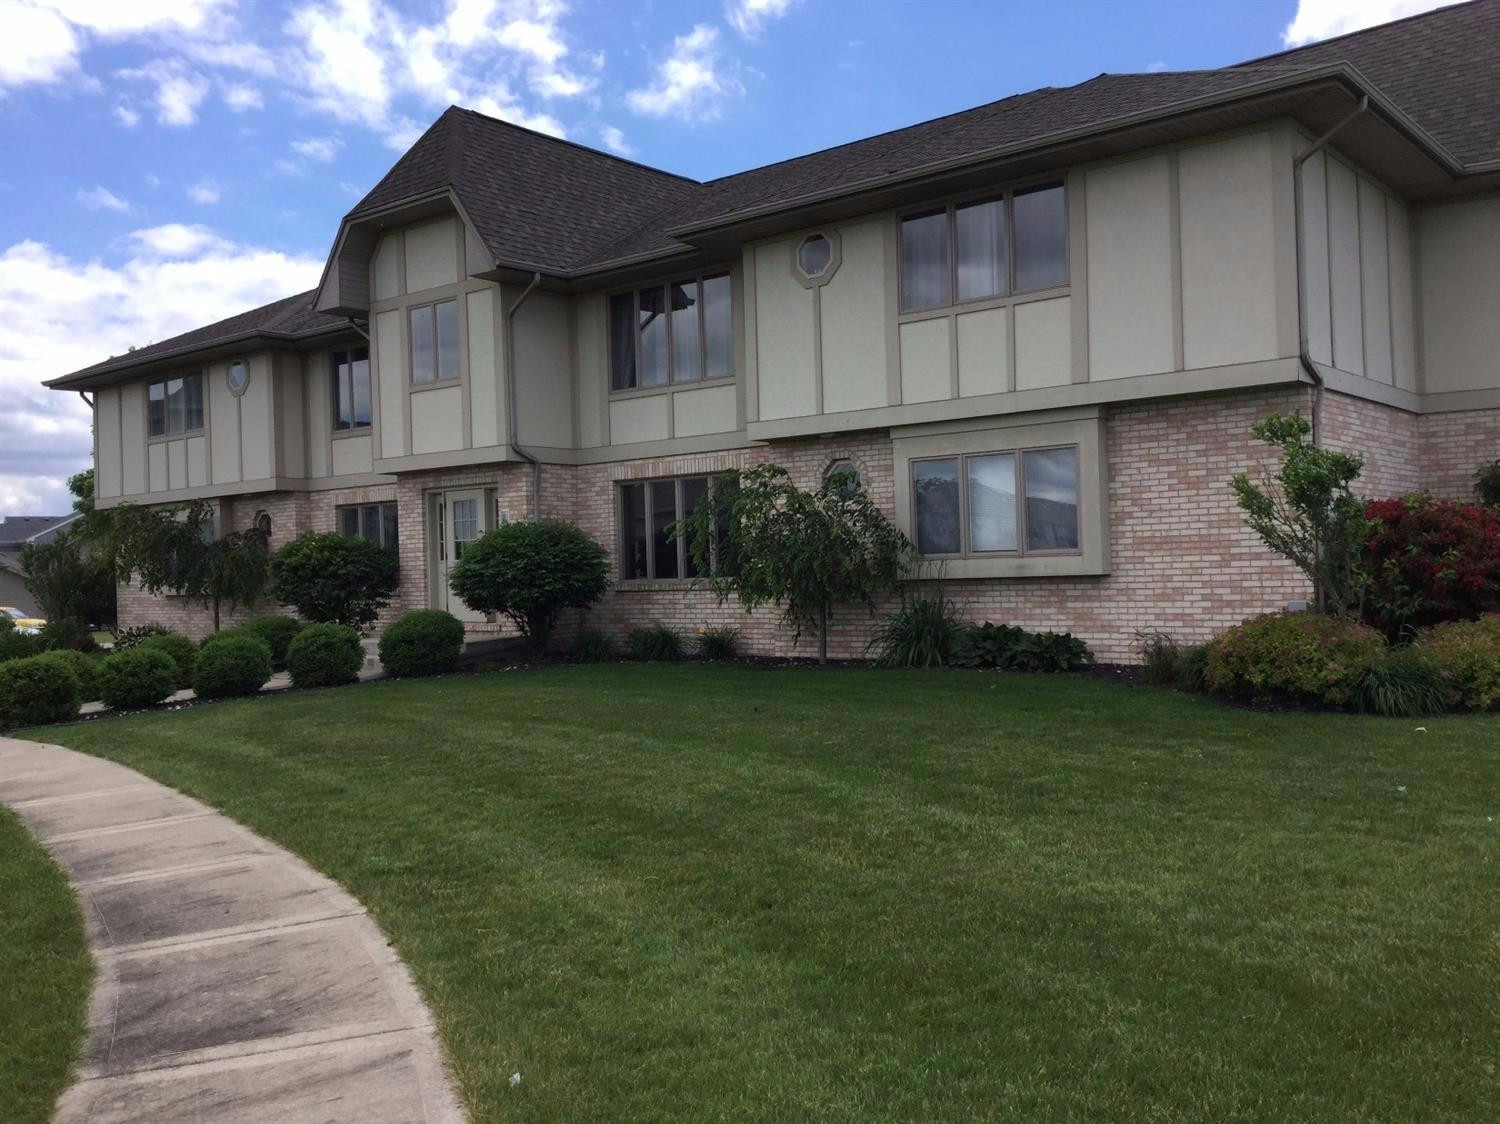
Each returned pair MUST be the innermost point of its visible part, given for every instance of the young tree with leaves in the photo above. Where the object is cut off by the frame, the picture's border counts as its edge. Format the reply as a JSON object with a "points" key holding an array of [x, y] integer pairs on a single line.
{"points": [[759, 537], [73, 576], [1307, 512]]}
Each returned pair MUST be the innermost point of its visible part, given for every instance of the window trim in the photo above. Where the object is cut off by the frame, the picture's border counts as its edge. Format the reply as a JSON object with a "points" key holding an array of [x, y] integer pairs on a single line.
{"points": [[458, 299], [1080, 426], [243, 361], [167, 434], [353, 429], [950, 207], [1019, 468], [672, 383], [830, 235]]}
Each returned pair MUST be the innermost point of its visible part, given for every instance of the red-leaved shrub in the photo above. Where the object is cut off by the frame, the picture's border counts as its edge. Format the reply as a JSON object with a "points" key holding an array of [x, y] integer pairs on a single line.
{"points": [[1429, 561]]}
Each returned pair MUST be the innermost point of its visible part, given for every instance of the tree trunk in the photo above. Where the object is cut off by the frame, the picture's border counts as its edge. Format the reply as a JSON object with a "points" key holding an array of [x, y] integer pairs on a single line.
{"points": [[216, 614], [823, 634]]}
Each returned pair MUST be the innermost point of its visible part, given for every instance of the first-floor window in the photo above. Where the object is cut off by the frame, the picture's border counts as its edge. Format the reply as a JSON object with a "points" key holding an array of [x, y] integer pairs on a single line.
{"points": [[648, 509], [373, 521], [1021, 501]]}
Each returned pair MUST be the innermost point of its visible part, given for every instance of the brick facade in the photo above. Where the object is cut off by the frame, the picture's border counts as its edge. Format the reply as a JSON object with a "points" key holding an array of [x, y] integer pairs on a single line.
{"points": [[1182, 560]]}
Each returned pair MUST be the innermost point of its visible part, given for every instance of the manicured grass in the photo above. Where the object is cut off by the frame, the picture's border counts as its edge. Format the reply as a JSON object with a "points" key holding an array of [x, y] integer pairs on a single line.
{"points": [[45, 973], [724, 893]]}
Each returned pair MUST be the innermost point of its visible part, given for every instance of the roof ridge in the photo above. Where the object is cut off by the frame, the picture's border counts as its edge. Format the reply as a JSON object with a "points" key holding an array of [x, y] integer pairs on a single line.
{"points": [[1444, 9]]}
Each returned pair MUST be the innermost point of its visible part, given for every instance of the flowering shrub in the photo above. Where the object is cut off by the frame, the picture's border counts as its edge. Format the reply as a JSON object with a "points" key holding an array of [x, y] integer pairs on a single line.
{"points": [[1430, 560], [1307, 657], [1468, 654]]}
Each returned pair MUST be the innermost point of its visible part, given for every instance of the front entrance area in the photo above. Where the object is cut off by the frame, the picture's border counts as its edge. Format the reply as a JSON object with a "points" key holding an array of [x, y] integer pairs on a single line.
{"points": [[455, 518]]}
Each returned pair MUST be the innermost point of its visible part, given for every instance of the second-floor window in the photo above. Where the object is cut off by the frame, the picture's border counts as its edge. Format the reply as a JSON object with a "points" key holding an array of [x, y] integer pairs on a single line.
{"points": [[680, 332], [175, 406], [434, 342], [1014, 242], [351, 388]]}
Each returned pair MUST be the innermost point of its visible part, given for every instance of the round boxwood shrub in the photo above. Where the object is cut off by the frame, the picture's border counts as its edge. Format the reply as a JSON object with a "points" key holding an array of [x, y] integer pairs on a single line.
{"points": [[182, 651], [1304, 657], [334, 577], [423, 642], [531, 571], [325, 655], [1468, 655], [137, 677], [37, 690], [233, 663], [277, 631], [85, 669]]}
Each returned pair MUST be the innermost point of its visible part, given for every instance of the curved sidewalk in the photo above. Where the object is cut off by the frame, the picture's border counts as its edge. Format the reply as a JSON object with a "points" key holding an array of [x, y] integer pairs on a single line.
{"points": [[235, 982]]}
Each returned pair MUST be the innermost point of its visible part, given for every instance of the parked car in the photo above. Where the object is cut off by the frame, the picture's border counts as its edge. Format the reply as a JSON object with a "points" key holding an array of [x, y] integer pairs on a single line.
{"points": [[22, 622]]}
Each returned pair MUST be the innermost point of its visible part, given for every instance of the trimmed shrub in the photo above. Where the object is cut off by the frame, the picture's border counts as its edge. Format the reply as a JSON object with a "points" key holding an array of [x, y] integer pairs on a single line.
{"points": [[595, 646], [68, 633], [183, 652], [658, 644], [988, 644], [334, 577], [1159, 656], [325, 655], [136, 677], [1404, 683], [923, 632], [36, 691], [85, 668], [717, 642], [277, 631], [18, 645], [128, 638], [422, 642], [530, 571], [1429, 561], [1192, 666], [231, 663], [1306, 657], [1468, 654]]}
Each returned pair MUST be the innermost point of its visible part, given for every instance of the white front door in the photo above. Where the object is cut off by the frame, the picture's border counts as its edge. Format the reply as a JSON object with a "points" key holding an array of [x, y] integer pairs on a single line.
{"points": [[459, 519]]}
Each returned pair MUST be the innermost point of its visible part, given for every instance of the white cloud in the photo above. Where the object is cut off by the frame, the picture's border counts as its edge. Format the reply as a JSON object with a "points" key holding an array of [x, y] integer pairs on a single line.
{"points": [[176, 240], [1323, 19], [118, 18], [40, 46], [322, 149], [58, 314], [99, 198], [240, 97], [204, 192], [127, 116], [615, 141], [179, 89], [749, 17], [691, 83], [561, 84]]}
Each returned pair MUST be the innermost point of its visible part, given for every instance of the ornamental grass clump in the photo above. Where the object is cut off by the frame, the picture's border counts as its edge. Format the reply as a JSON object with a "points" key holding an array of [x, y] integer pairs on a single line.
{"points": [[658, 644], [1468, 654], [924, 632], [1403, 683], [1301, 657], [717, 642]]}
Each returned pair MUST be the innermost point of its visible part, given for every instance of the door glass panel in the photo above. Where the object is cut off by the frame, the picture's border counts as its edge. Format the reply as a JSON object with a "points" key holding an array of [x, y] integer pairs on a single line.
{"points": [[935, 502], [686, 360], [653, 328], [1052, 499], [663, 515], [464, 515], [992, 502], [633, 531]]}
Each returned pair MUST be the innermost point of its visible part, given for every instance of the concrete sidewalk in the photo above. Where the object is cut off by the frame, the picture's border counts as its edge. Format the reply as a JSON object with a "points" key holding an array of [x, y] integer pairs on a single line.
{"points": [[235, 982]]}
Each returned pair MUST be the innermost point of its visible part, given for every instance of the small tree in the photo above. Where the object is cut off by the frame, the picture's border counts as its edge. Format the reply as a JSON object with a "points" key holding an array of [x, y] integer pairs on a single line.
{"points": [[531, 571], [1306, 512], [174, 550], [1487, 484], [759, 537], [73, 576], [341, 579]]}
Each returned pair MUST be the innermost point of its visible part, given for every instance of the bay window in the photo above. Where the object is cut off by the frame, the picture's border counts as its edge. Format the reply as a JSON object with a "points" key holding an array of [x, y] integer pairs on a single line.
{"points": [[680, 332], [1013, 242]]}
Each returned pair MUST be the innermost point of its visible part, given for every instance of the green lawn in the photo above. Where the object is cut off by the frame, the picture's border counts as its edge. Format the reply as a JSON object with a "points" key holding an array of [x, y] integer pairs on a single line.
{"points": [[706, 893], [45, 973]]}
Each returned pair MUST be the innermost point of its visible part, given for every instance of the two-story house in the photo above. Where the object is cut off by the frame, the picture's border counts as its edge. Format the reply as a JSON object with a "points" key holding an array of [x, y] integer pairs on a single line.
{"points": [[1038, 330]]}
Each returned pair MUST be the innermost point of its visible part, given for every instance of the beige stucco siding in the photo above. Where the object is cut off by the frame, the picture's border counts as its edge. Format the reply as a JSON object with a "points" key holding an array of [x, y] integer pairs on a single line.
{"points": [[390, 373], [484, 371], [984, 352], [1044, 355], [926, 361], [710, 409], [1460, 295], [853, 314], [1131, 289], [108, 471], [543, 375], [643, 418], [784, 336], [437, 420], [432, 255]]}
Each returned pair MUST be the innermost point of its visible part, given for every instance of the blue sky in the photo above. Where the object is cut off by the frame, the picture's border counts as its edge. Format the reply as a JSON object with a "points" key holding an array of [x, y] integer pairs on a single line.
{"points": [[165, 163]]}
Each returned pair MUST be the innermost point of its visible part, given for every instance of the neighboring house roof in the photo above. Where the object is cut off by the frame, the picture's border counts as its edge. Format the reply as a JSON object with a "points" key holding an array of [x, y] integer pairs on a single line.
{"points": [[18, 530], [539, 203]]}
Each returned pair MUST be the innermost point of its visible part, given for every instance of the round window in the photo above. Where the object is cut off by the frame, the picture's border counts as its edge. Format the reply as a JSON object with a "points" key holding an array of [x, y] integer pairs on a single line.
{"points": [[814, 255], [238, 377]]}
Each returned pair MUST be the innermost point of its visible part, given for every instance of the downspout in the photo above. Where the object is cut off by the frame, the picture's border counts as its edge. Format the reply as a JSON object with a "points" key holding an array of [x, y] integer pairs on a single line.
{"points": [[1303, 353], [510, 396], [87, 401]]}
